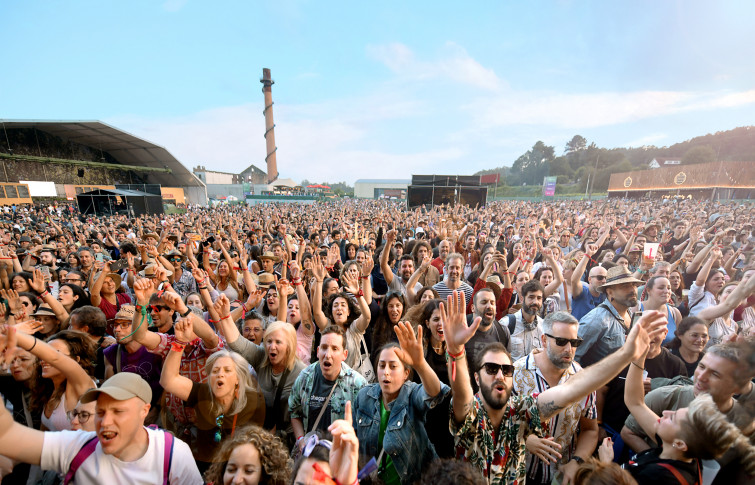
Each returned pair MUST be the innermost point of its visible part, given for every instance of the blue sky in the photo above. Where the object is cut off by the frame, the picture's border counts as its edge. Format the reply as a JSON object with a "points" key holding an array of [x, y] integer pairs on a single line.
{"points": [[382, 89]]}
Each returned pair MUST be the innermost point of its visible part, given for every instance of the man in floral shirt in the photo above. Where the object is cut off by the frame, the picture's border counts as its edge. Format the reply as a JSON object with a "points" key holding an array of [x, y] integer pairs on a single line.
{"points": [[490, 428]]}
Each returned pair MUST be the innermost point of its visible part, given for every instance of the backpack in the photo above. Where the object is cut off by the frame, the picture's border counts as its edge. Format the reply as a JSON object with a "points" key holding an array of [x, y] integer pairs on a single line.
{"points": [[512, 323], [89, 447]]}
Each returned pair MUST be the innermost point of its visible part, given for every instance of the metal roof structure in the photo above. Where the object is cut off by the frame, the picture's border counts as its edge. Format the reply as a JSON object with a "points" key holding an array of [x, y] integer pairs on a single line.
{"points": [[124, 147]]}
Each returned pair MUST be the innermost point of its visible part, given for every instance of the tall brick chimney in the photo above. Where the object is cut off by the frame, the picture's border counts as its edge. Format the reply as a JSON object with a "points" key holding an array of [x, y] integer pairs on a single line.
{"points": [[272, 165]]}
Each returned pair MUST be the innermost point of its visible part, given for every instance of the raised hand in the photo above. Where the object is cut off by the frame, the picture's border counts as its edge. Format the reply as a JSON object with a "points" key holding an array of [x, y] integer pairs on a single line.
{"points": [[222, 305], [14, 302], [174, 301], [37, 282], [350, 284], [651, 324], [318, 270], [411, 351], [143, 289], [454, 321], [7, 344], [284, 288], [29, 327], [344, 454], [183, 330]]}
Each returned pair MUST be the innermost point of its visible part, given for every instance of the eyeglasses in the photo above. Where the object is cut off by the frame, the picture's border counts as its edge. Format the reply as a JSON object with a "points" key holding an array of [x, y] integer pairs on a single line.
{"points": [[312, 442], [82, 415], [174, 259], [117, 325], [492, 369], [157, 308], [72, 280], [561, 342]]}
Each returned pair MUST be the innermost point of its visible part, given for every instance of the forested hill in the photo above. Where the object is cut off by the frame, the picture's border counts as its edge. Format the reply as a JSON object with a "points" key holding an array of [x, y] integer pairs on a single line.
{"points": [[579, 158]]}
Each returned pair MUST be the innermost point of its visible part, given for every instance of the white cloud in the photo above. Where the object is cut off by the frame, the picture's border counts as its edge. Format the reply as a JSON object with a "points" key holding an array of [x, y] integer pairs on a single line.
{"points": [[454, 63]]}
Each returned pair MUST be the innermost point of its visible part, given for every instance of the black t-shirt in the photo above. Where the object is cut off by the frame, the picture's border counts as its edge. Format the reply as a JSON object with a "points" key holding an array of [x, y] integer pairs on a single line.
{"points": [[615, 412], [200, 399], [690, 367], [648, 469], [321, 388]]}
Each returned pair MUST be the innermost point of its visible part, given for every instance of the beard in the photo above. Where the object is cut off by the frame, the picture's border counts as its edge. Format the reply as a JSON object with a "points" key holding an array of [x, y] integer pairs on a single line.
{"points": [[557, 358], [491, 399], [533, 309]]}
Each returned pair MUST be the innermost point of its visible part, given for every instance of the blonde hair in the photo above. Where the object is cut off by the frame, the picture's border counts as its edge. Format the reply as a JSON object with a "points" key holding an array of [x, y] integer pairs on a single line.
{"points": [[289, 336], [242, 374], [709, 434]]}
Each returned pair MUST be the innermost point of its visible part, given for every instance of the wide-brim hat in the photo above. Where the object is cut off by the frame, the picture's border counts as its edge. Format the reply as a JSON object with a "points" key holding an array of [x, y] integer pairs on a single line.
{"points": [[151, 234], [149, 271], [175, 253], [266, 280], [43, 311], [494, 283], [269, 255], [116, 278], [122, 386], [619, 275]]}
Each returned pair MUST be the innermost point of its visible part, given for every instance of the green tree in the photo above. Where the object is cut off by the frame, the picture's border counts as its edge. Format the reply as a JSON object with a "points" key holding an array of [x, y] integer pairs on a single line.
{"points": [[699, 154], [531, 167], [577, 143]]}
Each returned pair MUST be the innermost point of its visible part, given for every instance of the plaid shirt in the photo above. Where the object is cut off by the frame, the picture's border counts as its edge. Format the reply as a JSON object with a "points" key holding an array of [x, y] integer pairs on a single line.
{"points": [[192, 366], [498, 454], [348, 384]]}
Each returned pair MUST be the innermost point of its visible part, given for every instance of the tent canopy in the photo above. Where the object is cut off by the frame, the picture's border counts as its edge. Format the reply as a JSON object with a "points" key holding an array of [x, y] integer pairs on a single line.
{"points": [[119, 201]]}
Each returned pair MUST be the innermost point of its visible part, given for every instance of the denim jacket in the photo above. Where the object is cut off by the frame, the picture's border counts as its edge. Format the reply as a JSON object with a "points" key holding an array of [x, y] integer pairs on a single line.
{"points": [[405, 437], [603, 333]]}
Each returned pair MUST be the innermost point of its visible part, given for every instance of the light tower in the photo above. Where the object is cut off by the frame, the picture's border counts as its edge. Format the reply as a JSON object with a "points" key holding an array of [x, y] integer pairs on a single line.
{"points": [[272, 165]]}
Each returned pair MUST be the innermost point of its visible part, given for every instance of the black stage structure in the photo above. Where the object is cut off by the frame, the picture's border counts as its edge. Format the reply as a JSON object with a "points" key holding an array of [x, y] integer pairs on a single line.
{"points": [[106, 202], [446, 189]]}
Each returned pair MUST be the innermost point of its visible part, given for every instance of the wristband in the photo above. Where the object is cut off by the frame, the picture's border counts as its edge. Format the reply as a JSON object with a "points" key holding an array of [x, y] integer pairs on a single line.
{"points": [[453, 359], [33, 345], [202, 287], [360, 293], [227, 316], [185, 314], [44, 294], [177, 346], [637, 365]]}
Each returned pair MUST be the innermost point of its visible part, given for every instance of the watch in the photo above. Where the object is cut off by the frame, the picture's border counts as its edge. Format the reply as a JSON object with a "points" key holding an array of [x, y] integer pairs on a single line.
{"points": [[578, 459]]}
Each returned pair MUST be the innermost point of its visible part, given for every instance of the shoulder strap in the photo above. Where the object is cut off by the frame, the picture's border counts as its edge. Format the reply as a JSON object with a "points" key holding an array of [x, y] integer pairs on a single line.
{"points": [[674, 472], [325, 405], [167, 456], [84, 453], [512, 323], [690, 307], [278, 393], [118, 356]]}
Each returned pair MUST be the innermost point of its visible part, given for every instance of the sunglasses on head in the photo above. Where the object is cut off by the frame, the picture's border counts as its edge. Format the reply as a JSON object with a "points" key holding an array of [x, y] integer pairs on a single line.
{"points": [[561, 342], [492, 369]]}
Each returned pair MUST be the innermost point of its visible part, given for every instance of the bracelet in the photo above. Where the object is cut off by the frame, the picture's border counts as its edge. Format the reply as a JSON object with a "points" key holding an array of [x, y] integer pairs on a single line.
{"points": [[453, 358], [360, 293], [185, 314], [244, 268], [243, 307], [44, 294], [202, 287], [141, 309], [177, 346], [638, 365], [364, 277], [227, 316], [33, 345]]}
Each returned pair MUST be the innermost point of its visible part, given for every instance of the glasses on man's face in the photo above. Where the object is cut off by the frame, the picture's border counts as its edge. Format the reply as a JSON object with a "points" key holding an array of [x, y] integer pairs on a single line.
{"points": [[492, 369], [561, 342], [174, 259], [82, 415], [72, 280], [157, 308], [124, 325]]}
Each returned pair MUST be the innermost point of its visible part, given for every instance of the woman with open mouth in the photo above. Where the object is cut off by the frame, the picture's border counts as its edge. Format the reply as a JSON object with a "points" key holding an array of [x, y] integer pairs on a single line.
{"points": [[392, 310], [297, 312], [228, 400], [389, 416], [275, 362]]}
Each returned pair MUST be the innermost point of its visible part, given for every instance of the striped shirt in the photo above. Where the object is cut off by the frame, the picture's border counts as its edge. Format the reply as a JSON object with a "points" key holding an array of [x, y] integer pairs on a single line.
{"points": [[528, 380], [444, 291]]}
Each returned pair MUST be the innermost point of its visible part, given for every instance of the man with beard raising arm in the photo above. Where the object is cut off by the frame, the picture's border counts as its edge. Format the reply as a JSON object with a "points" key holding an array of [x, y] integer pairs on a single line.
{"points": [[605, 328], [490, 428], [560, 453]]}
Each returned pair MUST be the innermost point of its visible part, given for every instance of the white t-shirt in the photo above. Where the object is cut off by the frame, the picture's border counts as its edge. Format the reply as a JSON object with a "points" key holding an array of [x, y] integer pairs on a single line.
{"points": [[60, 448]]}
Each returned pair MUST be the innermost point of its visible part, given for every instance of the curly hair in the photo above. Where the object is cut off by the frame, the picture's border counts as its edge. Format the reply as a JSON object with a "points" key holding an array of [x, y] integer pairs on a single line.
{"points": [[354, 311], [422, 291], [594, 472], [276, 466]]}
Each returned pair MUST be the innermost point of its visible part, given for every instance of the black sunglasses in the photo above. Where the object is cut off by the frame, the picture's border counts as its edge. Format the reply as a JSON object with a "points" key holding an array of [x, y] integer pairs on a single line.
{"points": [[598, 277], [561, 342], [492, 369], [157, 308]]}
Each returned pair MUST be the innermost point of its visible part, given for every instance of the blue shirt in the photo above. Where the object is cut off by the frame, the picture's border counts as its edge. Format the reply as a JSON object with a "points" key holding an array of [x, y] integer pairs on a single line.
{"points": [[581, 305], [603, 332]]}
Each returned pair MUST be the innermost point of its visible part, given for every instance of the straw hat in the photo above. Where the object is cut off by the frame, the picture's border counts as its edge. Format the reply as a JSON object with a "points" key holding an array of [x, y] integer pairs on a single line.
{"points": [[125, 313], [149, 271], [266, 280], [494, 283], [269, 255], [619, 275]]}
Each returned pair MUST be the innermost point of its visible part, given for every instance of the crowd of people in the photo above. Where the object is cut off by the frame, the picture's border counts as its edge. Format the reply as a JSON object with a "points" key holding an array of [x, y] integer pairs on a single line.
{"points": [[351, 341]]}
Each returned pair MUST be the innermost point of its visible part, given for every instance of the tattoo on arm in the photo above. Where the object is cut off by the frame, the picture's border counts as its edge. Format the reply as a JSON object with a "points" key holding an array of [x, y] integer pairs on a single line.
{"points": [[549, 408], [468, 407]]}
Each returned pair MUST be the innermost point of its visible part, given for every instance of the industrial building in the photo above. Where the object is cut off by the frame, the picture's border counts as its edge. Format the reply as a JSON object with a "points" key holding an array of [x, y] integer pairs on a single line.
{"points": [[381, 188]]}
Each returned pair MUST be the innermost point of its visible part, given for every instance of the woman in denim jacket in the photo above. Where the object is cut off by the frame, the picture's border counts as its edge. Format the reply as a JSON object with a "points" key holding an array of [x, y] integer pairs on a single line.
{"points": [[389, 416]]}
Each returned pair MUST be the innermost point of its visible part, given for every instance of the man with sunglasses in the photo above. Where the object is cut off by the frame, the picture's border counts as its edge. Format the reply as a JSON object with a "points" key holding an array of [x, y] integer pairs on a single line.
{"points": [[586, 296], [558, 454], [490, 429]]}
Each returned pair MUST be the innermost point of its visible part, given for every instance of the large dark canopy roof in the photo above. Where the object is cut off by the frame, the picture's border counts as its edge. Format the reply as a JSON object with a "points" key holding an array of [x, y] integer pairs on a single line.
{"points": [[124, 147]]}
